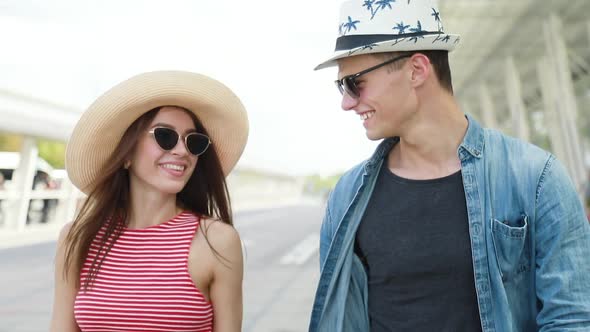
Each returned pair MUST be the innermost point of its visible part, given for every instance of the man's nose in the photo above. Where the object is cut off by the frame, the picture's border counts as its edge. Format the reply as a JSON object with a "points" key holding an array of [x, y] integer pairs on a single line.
{"points": [[348, 102]]}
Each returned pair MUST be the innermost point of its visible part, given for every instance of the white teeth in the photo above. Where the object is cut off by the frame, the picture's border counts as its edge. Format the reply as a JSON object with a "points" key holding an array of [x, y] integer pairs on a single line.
{"points": [[174, 167], [367, 115]]}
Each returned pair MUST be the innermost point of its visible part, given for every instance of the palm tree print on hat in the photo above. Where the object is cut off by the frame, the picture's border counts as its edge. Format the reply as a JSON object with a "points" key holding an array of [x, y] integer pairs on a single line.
{"points": [[362, 48], [436, 16], [369, 5], [347, 26], [444, 38], [417, 29], [399, 40], [401, 28], [381, 4]]}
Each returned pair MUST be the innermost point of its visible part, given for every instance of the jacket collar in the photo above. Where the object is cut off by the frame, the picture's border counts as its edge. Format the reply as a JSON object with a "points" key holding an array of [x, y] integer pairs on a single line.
{"points": [[473, 144], [473, 141], [380, 153]]}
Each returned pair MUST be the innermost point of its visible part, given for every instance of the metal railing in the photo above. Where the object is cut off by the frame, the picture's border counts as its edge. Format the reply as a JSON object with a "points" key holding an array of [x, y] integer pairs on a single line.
{"points": [[18, 208]]}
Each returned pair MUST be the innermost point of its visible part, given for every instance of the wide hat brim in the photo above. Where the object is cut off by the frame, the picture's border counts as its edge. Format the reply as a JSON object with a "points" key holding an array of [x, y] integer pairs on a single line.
{"points": [[101, 127], [446, 42]]}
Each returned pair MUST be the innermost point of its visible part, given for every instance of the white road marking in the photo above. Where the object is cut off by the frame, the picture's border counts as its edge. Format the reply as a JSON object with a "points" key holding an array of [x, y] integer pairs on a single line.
{"points": [[302, 251]]}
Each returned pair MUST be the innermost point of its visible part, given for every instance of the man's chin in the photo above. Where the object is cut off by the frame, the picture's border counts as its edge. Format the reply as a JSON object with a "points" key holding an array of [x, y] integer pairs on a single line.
{"points": [[374, 136]]}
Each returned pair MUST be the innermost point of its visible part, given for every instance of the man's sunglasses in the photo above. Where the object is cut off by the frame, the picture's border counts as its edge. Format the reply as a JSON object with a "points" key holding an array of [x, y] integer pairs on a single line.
{"points": [[167, 139], [348, 83]]}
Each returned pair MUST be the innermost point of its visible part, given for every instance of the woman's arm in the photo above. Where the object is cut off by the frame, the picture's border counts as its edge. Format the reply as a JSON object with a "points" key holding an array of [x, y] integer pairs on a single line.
{"points": [[62, 319], [226, 286]]}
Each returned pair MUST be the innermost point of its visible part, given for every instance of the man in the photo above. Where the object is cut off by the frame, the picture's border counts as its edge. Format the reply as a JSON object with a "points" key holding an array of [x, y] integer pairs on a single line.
{"points": [[448, 226]]}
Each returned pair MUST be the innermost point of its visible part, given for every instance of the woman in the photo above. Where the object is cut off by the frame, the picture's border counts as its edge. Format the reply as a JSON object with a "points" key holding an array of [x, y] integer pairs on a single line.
{"points": [[153, 247]]}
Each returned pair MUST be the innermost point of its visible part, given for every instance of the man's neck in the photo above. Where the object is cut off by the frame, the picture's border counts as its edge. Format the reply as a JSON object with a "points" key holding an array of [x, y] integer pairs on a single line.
{"points": [[428, 147]]}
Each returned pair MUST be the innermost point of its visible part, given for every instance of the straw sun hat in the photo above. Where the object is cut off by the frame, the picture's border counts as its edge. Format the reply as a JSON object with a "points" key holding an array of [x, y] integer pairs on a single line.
{"points": [[101, 127]]}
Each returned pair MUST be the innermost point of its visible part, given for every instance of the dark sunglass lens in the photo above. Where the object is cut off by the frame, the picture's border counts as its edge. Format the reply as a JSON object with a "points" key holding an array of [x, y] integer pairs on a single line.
{"points": [[350, 87], [166, 138], [197, 143], [339, 86]]}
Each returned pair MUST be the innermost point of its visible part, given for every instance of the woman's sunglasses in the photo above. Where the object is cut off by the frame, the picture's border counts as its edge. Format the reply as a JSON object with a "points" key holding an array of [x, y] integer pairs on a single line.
{"points": [[349, 84], [167, 139]]}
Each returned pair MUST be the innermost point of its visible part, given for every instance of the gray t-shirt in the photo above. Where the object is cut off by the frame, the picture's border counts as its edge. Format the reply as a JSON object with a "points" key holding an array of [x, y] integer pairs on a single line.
{"points": [[415, 245]]}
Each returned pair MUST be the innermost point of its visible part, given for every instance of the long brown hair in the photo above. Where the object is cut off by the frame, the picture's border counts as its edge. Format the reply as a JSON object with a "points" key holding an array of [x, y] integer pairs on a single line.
{"points": [[108, 203]]}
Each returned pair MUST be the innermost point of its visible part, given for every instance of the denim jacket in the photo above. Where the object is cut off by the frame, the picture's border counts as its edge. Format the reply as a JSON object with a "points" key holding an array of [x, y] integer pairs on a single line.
{"points": [[530, 240]]}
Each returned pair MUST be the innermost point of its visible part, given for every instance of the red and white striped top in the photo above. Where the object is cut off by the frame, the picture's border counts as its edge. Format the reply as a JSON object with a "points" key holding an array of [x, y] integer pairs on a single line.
{"points": [[143, 283]]}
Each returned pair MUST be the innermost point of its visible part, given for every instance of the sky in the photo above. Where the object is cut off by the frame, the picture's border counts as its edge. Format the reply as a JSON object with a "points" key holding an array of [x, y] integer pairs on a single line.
{"points": [[71, 51]]}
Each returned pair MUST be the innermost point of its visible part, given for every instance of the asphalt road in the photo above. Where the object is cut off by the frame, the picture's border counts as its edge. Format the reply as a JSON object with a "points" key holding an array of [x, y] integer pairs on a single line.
{"points": [[281, 273]]}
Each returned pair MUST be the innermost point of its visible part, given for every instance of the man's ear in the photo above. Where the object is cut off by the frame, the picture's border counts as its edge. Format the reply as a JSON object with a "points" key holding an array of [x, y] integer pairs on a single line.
{"points": [[421, 69]]}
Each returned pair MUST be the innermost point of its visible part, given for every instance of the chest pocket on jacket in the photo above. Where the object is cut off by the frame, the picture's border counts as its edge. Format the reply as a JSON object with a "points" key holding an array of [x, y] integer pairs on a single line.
{"points": [[509, 238]]}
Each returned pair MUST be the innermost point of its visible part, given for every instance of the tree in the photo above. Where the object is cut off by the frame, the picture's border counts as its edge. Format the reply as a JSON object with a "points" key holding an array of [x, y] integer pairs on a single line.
{"points": [[10, 142], [53, 152]]}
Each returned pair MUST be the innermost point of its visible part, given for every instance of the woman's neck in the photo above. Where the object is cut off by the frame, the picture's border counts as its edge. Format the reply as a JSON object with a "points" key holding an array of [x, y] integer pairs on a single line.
{"points": [[150, 207]]}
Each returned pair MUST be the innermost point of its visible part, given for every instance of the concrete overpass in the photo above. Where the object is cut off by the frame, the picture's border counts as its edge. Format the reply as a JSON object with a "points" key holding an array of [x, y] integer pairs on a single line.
{"points": [[524, 67]]}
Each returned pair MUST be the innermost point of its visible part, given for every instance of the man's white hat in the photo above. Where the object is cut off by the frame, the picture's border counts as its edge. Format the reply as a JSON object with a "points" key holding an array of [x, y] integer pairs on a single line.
{"points": [[375, 26]]}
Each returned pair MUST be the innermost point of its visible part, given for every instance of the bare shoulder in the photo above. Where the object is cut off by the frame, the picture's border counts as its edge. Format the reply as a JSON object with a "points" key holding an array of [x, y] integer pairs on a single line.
{"points": [[220, 234], [223, 239], [65, 230]]}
